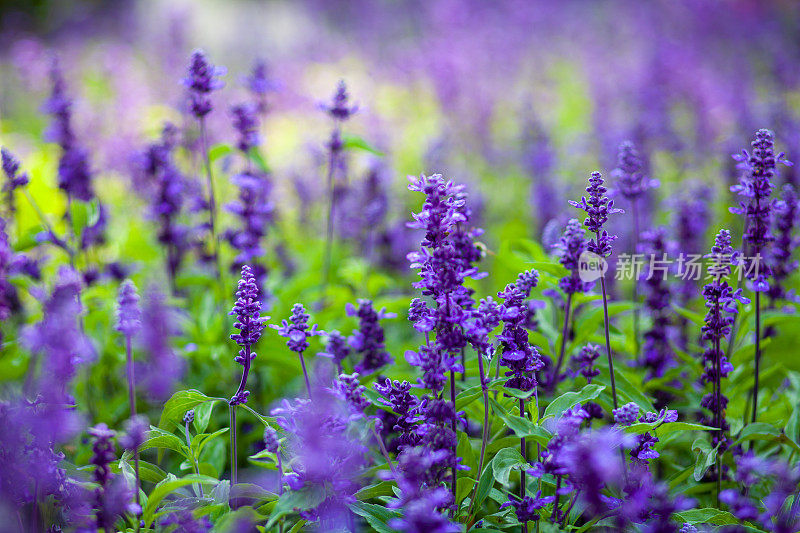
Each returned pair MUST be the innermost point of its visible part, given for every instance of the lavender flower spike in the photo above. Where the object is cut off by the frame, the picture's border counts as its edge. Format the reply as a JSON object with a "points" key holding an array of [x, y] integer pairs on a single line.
{"points": [[598, 207], [297, 333], [250, 324], [112, 498], [14, 177], [755, 188], [201, 81], [368, 339], [129, 322], [629, 175]]}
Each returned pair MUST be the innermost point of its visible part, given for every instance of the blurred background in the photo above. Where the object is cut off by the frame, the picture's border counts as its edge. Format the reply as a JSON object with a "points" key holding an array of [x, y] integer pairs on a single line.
{"points": [[520, 100]]}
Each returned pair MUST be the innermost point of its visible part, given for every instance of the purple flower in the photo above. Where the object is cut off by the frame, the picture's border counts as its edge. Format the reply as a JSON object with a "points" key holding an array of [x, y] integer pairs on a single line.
{"points": [[421, 315], [367, 340], [260, 84], [162, 368], [246, 124], [129, 316], [586, 360], [325, 457], [11, 170], [521, 358], [27, 460], [296, 330], [166, 189], [250, 323], [406, 412], [255, 211], [720, 300], [629, 174], [755, 189], [272, 442], [421, 498], [15, 178], [336, 347], [643, 451], [598, 207], [201, 81], [185, 522], [528, 508], [627, 414], [136, 429], [59, 106], [113, 498], [657, 351], [74, 176], [572, 244], [349, 389], [592, 463], [340, 108], [60, 339], [781, 258]]}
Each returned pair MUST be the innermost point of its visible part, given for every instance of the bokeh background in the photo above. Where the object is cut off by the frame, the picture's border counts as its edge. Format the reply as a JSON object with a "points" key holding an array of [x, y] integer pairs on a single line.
{"points": [[520, 100]]}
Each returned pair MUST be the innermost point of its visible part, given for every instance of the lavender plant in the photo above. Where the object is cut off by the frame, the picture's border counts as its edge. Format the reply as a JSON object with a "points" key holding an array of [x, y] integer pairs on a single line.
{"points": [[598, 208], [756, 205]]}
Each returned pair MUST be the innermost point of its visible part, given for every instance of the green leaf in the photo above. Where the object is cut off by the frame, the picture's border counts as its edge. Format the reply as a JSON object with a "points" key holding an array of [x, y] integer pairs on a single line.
{"points": [[177, 405], [522, 427], [158, 438], [484, 485], [252, 491], [707, 515], [219, 150], [147, 471], [758, 431], [666, 428], [265, 420], [768, 432], [376, 516], [382, 488], [625, 389], [705, 457], [505, 461], [464, 450], [468, 396], [464, 486], [305, 498], [354, 142], [199, 441], [162, 490], [570, 399], [202, 415]]}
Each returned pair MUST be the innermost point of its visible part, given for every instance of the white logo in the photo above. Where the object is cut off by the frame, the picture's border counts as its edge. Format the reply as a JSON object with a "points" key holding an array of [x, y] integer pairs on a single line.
{"points": [[591, 267]]}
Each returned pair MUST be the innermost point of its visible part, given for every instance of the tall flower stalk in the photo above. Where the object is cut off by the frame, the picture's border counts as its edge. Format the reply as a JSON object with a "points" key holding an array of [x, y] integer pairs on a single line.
{"points": [[442, 271], [720, 301], [250, 324], [598, 207], [632, 184], [201, 81], [339, 110], [297, 332], [254, 208], [521, 358], [755, 189], [129, 322]]}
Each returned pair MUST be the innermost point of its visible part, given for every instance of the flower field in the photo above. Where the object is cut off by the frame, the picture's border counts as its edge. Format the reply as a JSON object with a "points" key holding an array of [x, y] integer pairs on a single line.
{"points": [[428, 267]]}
